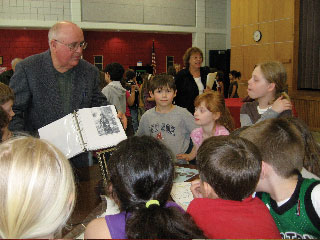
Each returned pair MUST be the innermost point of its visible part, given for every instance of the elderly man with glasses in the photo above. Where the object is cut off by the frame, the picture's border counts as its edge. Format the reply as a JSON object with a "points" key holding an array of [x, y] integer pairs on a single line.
{"points": [[54, 83]]}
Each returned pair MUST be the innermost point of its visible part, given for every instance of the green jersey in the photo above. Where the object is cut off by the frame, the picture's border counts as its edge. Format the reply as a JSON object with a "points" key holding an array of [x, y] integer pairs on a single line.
{"points": [[297, 218]]}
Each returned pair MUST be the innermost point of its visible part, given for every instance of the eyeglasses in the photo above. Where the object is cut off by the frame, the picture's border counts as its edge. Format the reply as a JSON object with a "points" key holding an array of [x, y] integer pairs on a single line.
{"points": [[74, 46]]}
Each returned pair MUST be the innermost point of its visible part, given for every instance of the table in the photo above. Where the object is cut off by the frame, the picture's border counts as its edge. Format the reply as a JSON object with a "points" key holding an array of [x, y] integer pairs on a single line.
{"points": [[234, 106]]}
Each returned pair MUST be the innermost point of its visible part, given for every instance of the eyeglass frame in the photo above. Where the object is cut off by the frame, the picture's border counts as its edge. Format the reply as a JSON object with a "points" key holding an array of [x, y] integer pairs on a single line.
{"points": [[76, 46]]}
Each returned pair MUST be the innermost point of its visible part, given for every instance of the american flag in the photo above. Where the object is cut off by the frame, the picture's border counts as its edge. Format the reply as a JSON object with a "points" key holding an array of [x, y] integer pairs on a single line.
{"points": [[153, 59]]}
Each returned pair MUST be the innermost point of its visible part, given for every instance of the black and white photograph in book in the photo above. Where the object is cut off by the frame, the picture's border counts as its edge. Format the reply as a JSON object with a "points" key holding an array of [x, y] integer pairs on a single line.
{"points": [[105, 121]]}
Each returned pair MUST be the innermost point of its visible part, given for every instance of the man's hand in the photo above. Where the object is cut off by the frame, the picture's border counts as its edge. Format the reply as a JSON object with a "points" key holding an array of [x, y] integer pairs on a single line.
{"points": [[195, 189], [123, 119]]}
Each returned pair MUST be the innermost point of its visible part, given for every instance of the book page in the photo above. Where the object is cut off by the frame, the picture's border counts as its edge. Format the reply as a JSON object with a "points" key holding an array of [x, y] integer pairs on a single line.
{"points": [[100, 127], [211, 77], [63, 134], [182, 194]]}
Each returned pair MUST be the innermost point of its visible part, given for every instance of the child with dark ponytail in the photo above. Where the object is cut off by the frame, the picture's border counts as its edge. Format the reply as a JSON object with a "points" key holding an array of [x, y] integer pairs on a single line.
{"points": [[141, 174]]}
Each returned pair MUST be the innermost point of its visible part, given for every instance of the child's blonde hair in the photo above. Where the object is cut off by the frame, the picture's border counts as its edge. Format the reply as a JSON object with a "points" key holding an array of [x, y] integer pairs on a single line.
{"points": [[275, 72], [214, 102], [37, 190], [6, 93]]}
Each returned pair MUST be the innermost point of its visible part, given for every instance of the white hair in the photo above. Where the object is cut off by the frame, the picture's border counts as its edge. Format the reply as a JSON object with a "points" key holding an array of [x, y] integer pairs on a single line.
{"points": [[37, 190]]}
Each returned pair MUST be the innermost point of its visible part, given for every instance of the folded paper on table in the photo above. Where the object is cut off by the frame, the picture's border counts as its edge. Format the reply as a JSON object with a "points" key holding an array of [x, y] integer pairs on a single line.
{"points": [[85, 130]]}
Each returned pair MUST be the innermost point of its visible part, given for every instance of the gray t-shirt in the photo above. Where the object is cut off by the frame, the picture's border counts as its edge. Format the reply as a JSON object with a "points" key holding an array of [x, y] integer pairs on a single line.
{"points": [[173, 128]]}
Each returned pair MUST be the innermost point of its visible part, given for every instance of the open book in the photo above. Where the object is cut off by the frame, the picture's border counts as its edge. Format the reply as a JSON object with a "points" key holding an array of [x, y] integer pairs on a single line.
{"points": [[85, 130]]}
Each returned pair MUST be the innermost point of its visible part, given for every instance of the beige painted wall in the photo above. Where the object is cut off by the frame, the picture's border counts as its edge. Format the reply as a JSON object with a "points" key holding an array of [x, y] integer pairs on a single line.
{"points": [[275, 20]]}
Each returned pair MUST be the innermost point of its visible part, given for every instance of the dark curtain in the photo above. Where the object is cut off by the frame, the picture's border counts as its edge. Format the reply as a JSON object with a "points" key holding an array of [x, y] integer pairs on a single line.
{"points": [[309, 45]]}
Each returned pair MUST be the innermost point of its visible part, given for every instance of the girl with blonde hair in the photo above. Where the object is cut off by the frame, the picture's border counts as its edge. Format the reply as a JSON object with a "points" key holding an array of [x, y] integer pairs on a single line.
{"points": [[37, 190], [268, 87]]}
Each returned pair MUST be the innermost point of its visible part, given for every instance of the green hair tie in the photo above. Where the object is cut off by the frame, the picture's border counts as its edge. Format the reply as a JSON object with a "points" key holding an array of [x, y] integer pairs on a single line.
{"points": [[152, 202]]}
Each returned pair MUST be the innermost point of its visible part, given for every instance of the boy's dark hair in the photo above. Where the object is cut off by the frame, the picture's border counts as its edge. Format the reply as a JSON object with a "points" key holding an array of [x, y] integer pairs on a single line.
{"points": [[140, 169], [6, 93], [162, 81], [230, 165], [115, 71], [130, 75], [280, 145]]}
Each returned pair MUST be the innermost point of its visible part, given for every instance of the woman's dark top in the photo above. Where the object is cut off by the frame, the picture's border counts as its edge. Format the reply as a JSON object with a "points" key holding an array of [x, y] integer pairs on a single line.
{"points": [[235, 83], [187, 89]]}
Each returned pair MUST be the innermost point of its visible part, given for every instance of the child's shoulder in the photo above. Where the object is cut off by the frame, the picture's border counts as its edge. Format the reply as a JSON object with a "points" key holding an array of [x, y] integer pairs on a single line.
{"points": [[149, 113], [182, 111], [221, 131], [248, 106]]}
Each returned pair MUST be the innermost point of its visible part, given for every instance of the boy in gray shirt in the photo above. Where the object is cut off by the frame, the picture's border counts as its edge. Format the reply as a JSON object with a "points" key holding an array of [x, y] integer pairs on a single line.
{"points": [[167, 122]]}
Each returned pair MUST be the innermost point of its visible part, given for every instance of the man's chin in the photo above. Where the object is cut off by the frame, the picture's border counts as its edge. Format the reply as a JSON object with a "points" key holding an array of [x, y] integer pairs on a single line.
{"points": [[74, 63]]}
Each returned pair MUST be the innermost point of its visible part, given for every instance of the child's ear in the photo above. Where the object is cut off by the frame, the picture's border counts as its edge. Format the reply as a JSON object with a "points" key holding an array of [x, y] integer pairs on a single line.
{"points": [[265, 168], [151, 94], [216, 115], [175, 93], [208, 191], [271, 87]]}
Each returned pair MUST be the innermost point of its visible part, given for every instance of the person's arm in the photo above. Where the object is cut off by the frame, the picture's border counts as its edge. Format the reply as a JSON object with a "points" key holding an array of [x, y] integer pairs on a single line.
{"points": [[141, 129], [315, 198], [97, 229], [131, 97], [188, 157], [222, 88], [123, 119], [19, 85]]}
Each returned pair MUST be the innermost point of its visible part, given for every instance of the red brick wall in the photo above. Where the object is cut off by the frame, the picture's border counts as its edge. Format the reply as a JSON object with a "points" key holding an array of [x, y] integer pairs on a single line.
{"points": [[124, 47]]}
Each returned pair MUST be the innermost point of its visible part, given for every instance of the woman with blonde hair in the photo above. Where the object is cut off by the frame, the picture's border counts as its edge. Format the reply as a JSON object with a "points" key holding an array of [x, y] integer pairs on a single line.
{"points": [[37, 190]]}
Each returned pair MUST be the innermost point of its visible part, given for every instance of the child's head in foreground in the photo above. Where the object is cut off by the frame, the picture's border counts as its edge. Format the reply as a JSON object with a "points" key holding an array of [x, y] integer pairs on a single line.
{"points": [[280, 145], [141, 169], [230, 166], [214, 102], [37, 190]]}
